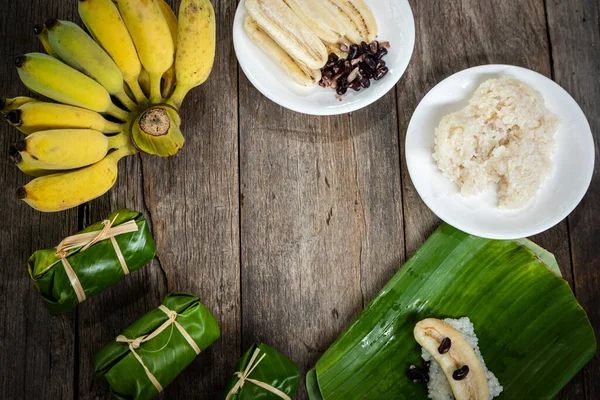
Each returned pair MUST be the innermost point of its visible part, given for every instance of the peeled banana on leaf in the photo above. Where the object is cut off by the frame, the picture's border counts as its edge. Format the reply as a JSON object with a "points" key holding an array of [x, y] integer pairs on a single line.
{"points": [[97, 80]]}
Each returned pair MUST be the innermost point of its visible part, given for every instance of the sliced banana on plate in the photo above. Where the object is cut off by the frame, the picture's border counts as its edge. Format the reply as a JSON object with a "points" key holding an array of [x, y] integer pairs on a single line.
{"points": [[299, 73]]}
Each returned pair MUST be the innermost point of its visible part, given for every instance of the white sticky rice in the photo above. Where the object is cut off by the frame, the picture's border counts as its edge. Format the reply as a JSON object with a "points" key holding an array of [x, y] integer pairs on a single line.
{"points": [[505, 136], [438, 386]]}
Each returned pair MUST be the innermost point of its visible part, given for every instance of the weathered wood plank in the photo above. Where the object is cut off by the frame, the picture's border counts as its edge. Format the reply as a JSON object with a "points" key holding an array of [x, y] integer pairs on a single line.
{"points": [[452, 36], [574, 28], [321, 221], [37, 349], [192, 203]]}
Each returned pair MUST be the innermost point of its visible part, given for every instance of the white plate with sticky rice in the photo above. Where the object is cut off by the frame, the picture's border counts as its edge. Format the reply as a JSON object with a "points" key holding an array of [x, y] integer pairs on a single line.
{"points": [[568, 177], [396, 25]]}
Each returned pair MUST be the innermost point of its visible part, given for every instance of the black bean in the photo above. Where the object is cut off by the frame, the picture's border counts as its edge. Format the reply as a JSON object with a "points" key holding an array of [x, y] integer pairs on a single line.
{"points": [[371, 63], [427, 364], [322, 83], [444, 347], [365, 82], [356, 86], [374, 46], [365, 47], [380, 64], [341, 91], [331, 60], [353, 52], [461, 373], [366, 73], [380, 73], [347, 67], [417, 374], [336, 69], [328, 73], [381, 53]]}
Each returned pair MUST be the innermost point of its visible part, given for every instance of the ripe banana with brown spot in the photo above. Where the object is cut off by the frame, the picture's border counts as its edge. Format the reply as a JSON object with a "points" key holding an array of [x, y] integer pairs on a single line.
{"points": [[40, 116], [359, 20], [196, 47], [66, 190], [50, 77], [62, 149], [42, 33], [169, 76], [152, 38], [297, 72], [293, 35], [430, 333], [80, 51], [103, 20], [8, 104], [15, 156], [316, 16]]}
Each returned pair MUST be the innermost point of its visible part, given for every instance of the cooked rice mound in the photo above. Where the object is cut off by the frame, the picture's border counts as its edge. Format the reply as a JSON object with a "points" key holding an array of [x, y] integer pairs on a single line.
{"points": [[505, 136]]}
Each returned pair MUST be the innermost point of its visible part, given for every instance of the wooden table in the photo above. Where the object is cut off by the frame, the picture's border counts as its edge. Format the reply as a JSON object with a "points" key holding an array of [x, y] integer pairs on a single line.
{"points": [[285, 225]]}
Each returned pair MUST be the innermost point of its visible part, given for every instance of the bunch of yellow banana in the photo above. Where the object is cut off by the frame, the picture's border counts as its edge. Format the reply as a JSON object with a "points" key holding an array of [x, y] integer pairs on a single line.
{"points": [[299, 34], [116, 92]]}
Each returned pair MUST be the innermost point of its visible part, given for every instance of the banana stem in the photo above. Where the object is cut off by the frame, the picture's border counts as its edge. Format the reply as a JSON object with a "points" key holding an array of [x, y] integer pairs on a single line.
{"points": [[125, 100], [137, 91], [112, 127], [118, 141], [178, 96], [118, 113], [155, 92], [169, 78]]}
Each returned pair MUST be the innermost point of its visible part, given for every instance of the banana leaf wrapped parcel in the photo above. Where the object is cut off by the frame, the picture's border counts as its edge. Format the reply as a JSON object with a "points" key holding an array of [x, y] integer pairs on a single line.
{"points": [[531, 330], [94, 259], [150, 353], [263, 373]]}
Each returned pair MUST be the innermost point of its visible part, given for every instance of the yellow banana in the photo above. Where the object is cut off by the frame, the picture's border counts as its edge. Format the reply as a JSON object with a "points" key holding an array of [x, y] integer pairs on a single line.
{"points": [[62, 149], [150, 33], [24, 167], [49, 77], [66, 190], [169, 76], [80, 51], [196, 47], [42, 33], [9, 104], [103, 20], [299, 73], [41, 116]]}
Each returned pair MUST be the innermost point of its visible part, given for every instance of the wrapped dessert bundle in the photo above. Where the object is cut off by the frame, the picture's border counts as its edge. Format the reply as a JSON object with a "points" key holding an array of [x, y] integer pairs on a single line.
{"points": [[94, 259], [263, 373], [150, 353], [464, 318]]}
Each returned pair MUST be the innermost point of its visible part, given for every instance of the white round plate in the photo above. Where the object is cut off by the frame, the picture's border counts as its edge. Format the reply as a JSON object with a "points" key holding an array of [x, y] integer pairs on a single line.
{"points": [[478, 215], [396, 25]]}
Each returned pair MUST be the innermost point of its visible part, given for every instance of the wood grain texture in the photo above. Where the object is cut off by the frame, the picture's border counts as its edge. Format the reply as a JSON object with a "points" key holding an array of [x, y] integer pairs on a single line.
{"points": [[452, 36], [574, 29], [321, 223], [35, 347]]}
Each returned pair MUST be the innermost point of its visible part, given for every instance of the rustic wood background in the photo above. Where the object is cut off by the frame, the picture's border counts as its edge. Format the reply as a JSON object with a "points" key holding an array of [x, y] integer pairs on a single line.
{"points": [[285, 225]]}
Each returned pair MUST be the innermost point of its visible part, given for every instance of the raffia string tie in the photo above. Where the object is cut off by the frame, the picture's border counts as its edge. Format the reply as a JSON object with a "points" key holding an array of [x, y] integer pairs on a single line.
{"points": [[86, 240], [135, 344], [244, 377]]}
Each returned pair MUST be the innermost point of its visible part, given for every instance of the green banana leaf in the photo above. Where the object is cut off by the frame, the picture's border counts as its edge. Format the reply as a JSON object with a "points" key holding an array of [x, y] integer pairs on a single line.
{"points": [[532, 332], [166, 355], [97, 267], [275, 370]]}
